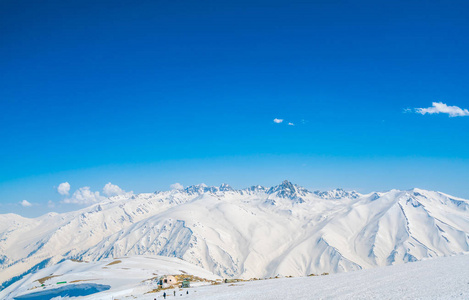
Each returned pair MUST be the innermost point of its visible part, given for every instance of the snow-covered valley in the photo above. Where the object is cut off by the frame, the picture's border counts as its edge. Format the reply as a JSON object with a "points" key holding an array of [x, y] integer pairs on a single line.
{"points": [[256, 232]]}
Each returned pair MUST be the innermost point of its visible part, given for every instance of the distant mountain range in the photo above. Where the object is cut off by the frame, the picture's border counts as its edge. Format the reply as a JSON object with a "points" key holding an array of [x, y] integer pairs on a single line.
{"points": [[253, 232]]}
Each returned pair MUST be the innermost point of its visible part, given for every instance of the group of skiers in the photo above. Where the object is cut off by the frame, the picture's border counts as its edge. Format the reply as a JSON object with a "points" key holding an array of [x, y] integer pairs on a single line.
{"points": [[174, 294]]}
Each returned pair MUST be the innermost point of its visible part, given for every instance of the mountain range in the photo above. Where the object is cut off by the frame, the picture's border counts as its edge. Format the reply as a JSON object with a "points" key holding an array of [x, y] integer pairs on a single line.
{"points": [[285, 230]]}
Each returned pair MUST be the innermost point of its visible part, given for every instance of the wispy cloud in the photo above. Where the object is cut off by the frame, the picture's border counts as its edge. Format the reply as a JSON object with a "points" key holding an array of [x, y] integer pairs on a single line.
{"points": [[291, 124], [440, 107], [50, 204], [176, 186], [25, 203], [407, 110], [278, 121], [63, 188]]}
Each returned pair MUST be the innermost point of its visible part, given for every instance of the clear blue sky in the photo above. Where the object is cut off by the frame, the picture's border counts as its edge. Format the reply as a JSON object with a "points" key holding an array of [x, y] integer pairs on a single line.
{"points": [[144, 94]]}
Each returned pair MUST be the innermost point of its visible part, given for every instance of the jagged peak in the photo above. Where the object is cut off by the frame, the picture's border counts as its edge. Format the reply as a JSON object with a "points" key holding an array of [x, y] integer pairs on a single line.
{"points": [[289, 190], [285, 186], [257, 188], [253, 189], [337, 193], [198, 188], [224, 187]]}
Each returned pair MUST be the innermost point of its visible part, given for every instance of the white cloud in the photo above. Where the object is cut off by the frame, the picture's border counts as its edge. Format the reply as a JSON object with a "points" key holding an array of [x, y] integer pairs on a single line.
{"points": [[25, 203], [50, 204], [84, 196], [112, 190], [278, 121], [291, 124], [440, 107], [63, 188], [176, 186]]}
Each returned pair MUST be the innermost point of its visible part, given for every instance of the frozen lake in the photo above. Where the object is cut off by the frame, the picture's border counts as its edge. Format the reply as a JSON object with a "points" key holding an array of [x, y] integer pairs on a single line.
{"points": [[70, 290]]}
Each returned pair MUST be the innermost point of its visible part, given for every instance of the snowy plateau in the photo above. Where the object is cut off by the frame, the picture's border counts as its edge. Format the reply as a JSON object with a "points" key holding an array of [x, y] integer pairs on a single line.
{"points": [[219, 232]]}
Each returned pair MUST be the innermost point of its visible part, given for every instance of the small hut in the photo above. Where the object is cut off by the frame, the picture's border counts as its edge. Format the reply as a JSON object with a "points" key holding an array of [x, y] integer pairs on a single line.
{"points": [[186, 283], [167, 281]]}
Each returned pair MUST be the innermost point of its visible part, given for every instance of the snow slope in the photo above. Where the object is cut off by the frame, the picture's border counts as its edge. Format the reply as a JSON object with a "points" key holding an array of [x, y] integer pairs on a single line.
{"points": [[122, 276], [255, 232], [437, 278]]}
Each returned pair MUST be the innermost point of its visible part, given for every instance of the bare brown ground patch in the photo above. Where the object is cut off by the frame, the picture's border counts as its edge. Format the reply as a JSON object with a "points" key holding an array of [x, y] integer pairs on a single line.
{"points": [[114, 263], [44, 279]]}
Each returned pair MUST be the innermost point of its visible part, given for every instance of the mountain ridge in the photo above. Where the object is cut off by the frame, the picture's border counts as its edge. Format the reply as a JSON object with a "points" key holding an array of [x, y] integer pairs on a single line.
{"points": [[252, 232]]}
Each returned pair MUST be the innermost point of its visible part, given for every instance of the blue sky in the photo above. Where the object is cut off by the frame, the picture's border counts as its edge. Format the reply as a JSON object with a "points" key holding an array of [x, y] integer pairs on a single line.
{"points": [[145, 95]]}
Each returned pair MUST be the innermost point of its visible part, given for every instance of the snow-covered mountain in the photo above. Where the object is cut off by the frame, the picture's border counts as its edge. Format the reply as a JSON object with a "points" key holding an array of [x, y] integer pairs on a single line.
{"points": [[254, 232]]}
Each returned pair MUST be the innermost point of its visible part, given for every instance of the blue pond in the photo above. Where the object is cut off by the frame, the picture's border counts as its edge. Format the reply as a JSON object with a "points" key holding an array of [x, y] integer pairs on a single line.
{"points": [[70, 290]]}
